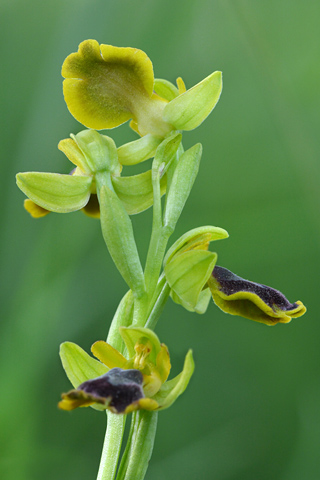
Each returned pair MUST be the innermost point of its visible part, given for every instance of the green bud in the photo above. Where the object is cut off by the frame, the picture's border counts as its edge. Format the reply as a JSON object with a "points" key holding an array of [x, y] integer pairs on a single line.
{"points": [[138, 151], [189, 110], [165, 89], [99, 150], [56, 192], [187, 274], [136, 192], [181, 185], [118, 235]]}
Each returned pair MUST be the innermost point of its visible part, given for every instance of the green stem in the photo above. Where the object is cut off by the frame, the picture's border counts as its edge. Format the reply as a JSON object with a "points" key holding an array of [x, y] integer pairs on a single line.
{"points": [[158, 305], [125, 456], [111, 447], [142, 441]]}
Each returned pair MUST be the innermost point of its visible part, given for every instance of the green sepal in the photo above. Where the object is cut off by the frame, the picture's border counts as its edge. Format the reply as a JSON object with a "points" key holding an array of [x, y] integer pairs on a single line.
{"points": [[197, 238], [165, 89], [118, 234], [181, 184], [171, 390], [99, 150], [54, 191], [78, 365], [202, 303], [138, 151], [136, 192], [188, 273], [133, 335], [190, 109]]}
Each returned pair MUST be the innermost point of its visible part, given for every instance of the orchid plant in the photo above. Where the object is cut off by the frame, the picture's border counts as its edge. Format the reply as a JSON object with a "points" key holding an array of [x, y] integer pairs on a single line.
{"points": [[104, 87]]}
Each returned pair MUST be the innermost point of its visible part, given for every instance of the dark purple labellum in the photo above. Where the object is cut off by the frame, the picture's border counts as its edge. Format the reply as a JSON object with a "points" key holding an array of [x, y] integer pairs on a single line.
{"points": [[124, 387], [229, 283]]}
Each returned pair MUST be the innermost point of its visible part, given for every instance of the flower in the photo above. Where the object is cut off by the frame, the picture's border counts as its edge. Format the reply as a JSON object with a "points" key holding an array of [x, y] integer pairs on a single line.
{"points": [[91, 153], [105, 86], [251, 300], [121, 385]]}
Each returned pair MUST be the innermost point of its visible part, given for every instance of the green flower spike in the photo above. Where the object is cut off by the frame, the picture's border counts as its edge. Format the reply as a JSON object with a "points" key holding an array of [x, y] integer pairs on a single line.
{"points": [[91, 153], [122, 385], [251, 300], [105, 86], [188, 266]]}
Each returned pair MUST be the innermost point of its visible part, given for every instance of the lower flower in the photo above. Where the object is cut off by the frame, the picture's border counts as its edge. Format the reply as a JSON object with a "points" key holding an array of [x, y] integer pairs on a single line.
{"points": [[121, 385]]}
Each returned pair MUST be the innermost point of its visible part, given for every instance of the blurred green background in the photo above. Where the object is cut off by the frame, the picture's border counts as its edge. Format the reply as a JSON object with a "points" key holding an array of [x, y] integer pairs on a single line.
{"points": [[252, 408]]}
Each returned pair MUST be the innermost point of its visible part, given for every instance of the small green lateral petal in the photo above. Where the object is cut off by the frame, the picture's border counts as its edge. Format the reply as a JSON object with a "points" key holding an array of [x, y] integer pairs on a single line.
{"points": [[197, 238], [78, 365], [251, 300], [190, 109], [133, 335], [165, 89], [188, 273], [71, 150], [56, 192], [108, 355], [135, 192], [138, 151], [171, 390]]}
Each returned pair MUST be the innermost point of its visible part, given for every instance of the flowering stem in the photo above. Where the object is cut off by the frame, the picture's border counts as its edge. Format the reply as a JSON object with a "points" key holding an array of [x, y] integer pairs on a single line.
{"points": [[159, 304], [112, 446], [139, 447]]}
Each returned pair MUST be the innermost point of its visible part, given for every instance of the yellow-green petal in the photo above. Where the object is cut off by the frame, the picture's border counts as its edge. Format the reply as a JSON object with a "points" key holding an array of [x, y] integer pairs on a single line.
{"points": [[56, 192], [102, 83], [72, 151], [189, 110], [171, 390], [108, 355]]}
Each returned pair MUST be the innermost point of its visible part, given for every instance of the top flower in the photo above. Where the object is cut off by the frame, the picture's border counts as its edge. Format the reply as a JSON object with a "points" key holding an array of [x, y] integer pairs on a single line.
{"points": [[105, 86]]}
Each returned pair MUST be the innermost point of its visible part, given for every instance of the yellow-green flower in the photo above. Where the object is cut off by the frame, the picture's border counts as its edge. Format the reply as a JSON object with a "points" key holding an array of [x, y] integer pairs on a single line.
{"points": [[119, 384], [105, 86], [251, 300], [91, 153]]}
